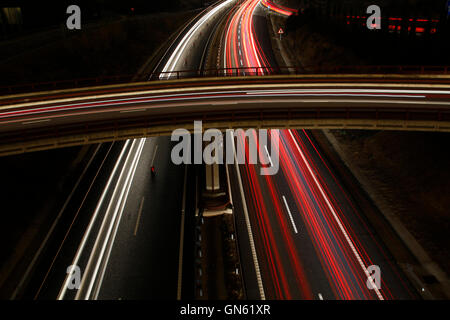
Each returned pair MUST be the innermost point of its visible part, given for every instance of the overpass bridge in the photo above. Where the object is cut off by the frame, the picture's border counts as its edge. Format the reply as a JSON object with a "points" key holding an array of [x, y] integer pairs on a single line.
{"points": [[69, 117]]}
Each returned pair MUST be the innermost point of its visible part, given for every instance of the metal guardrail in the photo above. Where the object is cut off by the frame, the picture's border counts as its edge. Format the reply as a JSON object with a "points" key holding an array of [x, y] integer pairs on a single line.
{"points": [[296, 70], [223, 72]]}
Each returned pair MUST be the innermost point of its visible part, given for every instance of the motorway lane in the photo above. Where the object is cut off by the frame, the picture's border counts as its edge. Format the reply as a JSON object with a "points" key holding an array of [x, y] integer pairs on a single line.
{"points": [[303, 253], [144, 258], [368, 246], [188, 53], [247, 40], [140, 266], [240, 48]]}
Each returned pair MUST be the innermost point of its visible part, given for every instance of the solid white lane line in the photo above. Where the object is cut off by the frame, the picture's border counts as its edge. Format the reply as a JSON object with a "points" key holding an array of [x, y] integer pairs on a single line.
{"points": [[80, 249], [268, 156], [139, 216], [196, 197], [247, 222], [337, 219], [180, 253], [290, 214], [229, 187]]}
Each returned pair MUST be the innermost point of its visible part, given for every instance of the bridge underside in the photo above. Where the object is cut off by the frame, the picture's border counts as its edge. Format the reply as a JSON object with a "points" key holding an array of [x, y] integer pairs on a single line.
{"points": [[58, 139]]}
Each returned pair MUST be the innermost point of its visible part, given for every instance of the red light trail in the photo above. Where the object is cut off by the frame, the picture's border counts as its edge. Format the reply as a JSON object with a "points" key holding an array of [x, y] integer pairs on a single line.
{"points": [[307, 229]]}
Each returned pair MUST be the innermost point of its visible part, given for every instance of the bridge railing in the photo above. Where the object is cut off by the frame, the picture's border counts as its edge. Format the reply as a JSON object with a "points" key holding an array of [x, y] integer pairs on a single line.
{"points": [[224, 72], [296, 70]]}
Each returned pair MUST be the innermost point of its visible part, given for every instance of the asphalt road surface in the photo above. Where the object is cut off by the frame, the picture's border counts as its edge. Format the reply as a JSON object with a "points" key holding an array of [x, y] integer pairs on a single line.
{"points": [[119, 236], [308, 238], [311, 239]]}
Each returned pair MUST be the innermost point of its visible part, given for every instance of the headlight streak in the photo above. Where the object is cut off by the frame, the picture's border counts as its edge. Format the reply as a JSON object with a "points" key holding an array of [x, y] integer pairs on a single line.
{"points": [[249, 87], [180, 49], [93, 220], [223, 95]]}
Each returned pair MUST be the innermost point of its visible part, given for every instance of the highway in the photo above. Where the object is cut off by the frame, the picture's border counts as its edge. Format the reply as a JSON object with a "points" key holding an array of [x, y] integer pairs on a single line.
{"points": [[118, 217], [312, 241], [307, 236], [245, 38], [304, 234], [120, 229], [45, 120]]}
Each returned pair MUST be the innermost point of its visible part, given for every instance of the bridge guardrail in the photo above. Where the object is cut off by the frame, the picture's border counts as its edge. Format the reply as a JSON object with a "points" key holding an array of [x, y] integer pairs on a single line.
{"points": [[297, 70]]}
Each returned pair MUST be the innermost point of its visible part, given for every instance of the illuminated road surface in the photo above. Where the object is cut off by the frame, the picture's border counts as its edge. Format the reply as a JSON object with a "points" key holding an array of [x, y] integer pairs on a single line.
{"points": [[311, 241], [130, 227]]}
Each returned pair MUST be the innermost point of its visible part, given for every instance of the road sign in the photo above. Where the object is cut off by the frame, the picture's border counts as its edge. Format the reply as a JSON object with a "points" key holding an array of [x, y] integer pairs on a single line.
{"points": [[280, 32]]}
